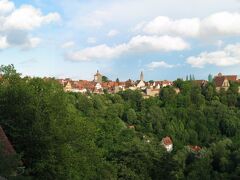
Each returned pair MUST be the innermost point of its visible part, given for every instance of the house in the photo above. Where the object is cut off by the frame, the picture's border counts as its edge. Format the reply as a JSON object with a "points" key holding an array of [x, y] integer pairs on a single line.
{"points": [[157, 85], [194, 149], [167, 144], [7, 146], [141, 84], [8, 150], [129, 83], [166, 83], [67, 86], [160, 84], [98, 86], [223, 81], [152, 92]]}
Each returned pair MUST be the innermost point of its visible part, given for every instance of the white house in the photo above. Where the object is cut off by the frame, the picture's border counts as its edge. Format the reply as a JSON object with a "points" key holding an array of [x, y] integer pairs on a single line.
{"points": [[98, 86], [167, 144]]}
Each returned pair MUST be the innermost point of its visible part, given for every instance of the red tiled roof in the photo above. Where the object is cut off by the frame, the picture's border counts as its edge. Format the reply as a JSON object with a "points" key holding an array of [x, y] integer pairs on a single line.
{"points": [[195, 148], [231, 77], [7, 146], [218, 80], [167, 141]]}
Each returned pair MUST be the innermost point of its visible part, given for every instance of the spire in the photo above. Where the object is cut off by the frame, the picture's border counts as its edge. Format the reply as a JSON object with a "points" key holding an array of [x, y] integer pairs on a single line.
{"points": [[141, 76]]}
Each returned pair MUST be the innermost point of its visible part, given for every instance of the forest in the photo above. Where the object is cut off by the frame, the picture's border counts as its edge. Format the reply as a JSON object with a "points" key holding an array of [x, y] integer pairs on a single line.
{"points": [[62, 136]]}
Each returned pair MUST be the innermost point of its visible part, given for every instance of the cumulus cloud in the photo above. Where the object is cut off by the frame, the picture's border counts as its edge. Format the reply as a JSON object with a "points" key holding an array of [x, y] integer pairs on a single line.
{"points": [[159, 64], [112, 33], [218, 24], [6, 6], [164, 25], [229, 56], [222, 23], [16, 24], [27, 18], [136, 44]]}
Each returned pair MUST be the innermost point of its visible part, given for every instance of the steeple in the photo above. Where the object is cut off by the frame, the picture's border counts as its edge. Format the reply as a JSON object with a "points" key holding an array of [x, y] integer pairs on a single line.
{"points": [[98, 77], [141, 76]]}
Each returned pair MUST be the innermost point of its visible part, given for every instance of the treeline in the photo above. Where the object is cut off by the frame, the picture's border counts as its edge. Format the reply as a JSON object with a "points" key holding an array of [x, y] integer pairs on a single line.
{"points": [[62, 135]]}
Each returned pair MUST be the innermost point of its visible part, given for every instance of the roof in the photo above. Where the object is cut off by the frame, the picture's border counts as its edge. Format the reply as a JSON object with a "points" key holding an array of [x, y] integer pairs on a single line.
{"points": [[7, 146], [195, 148], [231, 77], [167, 141], [218, 80]]}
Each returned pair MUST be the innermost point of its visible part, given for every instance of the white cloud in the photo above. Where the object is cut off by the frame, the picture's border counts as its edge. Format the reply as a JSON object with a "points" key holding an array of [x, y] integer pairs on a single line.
{"points": [[159, 64], [6, 6], [229, 56], [97, 52], [136, 44], [27, 18], [91, 40], [16, 24], [218, 24], [112, 33], [222, 23], [164, 25], [68, 45], [157, 43]]}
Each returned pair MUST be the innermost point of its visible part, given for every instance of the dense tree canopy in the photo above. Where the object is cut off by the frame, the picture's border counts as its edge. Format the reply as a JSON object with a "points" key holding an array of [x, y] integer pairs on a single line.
{"points": [[62, 135]]}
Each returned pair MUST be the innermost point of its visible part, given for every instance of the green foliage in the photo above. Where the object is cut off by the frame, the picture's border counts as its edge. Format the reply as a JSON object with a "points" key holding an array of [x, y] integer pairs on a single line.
{"points": [[105, 79], [74, 136]]}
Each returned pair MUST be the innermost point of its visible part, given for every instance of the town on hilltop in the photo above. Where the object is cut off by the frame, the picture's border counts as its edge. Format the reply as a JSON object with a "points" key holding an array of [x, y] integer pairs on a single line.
{"points": [[100, 84]]}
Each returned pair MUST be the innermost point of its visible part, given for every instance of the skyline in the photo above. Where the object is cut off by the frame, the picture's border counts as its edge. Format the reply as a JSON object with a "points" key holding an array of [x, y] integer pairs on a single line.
{"points": [[166, 40]]}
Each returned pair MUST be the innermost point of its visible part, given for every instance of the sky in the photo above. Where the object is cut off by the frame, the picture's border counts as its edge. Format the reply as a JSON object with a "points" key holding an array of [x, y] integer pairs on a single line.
{"points": [[164, 39]]}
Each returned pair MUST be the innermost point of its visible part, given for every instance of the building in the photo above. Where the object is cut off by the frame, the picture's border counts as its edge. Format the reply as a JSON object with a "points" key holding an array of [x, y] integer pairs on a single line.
{"points": [[194, 149], [141, 83], [7, 146], [152, 92], [223, 81], [98, 77], [9, 151], [141, 76], [167, 144], [68, 86]]}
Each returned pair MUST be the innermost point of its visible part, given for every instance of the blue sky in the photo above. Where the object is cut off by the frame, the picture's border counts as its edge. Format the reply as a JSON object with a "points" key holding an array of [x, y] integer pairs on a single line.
{"points": [[166, 40]]}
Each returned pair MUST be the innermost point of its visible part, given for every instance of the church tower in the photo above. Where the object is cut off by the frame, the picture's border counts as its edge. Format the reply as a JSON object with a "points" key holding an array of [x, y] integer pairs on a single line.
{"points": [[98, 77], [141, 76]]}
